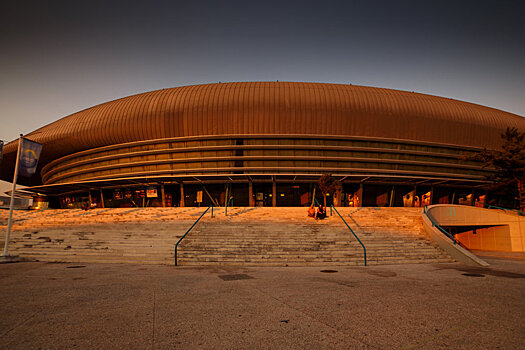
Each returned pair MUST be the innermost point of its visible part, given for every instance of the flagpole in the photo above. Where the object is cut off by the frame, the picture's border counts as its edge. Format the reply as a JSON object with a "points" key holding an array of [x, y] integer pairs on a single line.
{"points": [[9, 221]]}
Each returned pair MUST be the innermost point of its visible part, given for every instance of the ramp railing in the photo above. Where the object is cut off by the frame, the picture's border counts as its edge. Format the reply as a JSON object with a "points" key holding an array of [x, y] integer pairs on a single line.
{"points": [[192, 226], [490, 206], [435, 224], [362, 245]]}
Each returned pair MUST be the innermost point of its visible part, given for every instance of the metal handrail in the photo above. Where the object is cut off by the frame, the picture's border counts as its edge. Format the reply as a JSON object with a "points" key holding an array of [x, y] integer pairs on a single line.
{"points": [[519, 212], [195, 223], [362, 245], [434, 223], [227, 204]]}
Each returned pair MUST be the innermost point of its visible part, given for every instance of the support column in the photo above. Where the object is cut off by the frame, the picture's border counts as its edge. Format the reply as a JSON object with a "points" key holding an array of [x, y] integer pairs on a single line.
{"points": [[362, 194], [181, 195], [338, 197], [90, 198], [274, 193], [392, 195], [102, 199], [163, 196], [250, 195], [431, 194]]}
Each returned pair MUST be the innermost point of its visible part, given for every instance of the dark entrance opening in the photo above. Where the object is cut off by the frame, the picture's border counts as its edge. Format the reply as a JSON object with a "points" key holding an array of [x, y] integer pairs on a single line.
{"points": [[293, 195], [263, 194]]}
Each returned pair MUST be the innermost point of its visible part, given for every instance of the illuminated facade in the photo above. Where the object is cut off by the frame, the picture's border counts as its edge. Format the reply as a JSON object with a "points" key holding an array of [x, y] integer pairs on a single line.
{"points": [[266, 143]]}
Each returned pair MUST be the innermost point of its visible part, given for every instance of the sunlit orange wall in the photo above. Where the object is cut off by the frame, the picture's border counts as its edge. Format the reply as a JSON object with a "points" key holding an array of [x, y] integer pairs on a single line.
{"points": [[497, 238]]}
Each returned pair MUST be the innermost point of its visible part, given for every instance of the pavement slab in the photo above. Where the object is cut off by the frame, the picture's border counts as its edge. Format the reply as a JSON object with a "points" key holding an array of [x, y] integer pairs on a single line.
{"points": [[124, 306]]}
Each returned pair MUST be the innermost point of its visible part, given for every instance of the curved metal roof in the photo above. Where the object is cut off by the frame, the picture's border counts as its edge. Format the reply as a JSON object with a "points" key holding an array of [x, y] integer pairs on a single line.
{"points": [[274, 108]]}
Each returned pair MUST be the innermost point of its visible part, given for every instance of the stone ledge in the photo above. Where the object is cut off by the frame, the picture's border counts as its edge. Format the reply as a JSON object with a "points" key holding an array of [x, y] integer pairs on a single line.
{"points": [[4, 259]]}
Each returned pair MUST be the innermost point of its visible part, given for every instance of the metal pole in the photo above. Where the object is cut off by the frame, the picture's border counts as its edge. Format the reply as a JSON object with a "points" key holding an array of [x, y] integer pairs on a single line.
{"points": [[250, 194], [9, 221], [163, 195], [274, 193], [361, 194], [181, 195]]}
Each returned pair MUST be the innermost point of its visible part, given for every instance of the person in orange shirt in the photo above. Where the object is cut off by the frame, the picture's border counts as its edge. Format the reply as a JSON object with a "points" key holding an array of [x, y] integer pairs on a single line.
{"points": [[311, 211]]}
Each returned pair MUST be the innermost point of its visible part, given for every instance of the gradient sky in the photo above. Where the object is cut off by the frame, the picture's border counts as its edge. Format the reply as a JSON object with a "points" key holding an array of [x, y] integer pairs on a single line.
{"points": [[59, 57]]}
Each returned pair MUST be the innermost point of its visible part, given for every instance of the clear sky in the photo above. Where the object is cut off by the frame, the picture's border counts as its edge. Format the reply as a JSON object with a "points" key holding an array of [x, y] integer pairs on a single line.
{"points": [[59, 57]]}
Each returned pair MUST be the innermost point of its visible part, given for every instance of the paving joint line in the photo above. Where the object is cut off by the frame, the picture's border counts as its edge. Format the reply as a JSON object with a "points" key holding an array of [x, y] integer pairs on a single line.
{"points": [[314, 319]]}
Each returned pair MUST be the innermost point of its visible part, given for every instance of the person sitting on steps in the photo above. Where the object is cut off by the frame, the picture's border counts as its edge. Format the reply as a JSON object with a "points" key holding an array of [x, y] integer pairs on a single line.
{"points": [[321, 213], [311, 211]]}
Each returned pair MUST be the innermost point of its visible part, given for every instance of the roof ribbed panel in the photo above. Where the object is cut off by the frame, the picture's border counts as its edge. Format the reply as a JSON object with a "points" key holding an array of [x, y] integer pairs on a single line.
{"points": [[275, 108]]}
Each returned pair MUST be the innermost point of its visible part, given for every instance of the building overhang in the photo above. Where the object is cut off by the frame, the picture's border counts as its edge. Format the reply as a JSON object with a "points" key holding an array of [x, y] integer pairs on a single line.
{"points": [[377, 179]]}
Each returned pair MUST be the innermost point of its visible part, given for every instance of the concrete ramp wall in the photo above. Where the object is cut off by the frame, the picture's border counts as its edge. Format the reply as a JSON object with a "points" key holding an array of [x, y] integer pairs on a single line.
{"points": [[492, 229]]}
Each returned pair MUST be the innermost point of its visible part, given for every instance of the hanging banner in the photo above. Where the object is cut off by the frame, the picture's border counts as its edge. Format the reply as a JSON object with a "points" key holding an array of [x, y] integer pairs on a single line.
{"points": [[444, 200], [480, 201], [408, 199], [29, 154], [357, 198], [305, 198], [382, 200], [467, 200], [425, 199], [151, 192]]}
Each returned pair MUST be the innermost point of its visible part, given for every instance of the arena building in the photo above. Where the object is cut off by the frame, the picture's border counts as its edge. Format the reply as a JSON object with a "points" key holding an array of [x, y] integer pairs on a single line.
{"points": [[265, 144]]}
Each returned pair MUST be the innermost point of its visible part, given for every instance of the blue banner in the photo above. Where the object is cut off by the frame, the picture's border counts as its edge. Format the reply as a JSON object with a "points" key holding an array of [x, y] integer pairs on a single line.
{"points": [[29, 154]]}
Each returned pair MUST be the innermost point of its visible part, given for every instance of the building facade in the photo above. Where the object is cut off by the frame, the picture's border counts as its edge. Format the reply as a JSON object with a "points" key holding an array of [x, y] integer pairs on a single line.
{"points": [[266, 144]]}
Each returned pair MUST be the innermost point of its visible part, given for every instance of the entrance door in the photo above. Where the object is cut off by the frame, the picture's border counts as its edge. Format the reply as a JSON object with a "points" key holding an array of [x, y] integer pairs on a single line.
{"points": [[263, 194]]}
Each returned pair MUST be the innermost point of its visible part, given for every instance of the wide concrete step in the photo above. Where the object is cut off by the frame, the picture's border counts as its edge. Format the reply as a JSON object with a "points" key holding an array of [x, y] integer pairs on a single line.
{"points": [[247, 236]]}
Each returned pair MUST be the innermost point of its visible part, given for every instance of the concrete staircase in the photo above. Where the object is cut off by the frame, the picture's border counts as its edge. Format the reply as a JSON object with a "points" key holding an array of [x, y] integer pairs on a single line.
{"points": [[277, 237], [247, 236], [394, 234], [142, 236]]}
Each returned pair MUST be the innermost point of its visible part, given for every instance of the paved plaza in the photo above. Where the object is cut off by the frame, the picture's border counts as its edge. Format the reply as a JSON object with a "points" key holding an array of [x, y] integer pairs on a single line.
{"points": [[419, 306]]}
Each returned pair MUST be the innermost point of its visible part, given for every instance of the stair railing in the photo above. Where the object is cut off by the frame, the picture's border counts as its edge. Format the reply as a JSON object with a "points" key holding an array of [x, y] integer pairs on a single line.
{"points": [[434, 223], [229, 202], [490, 206], [195, 223], [362, 245]]}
